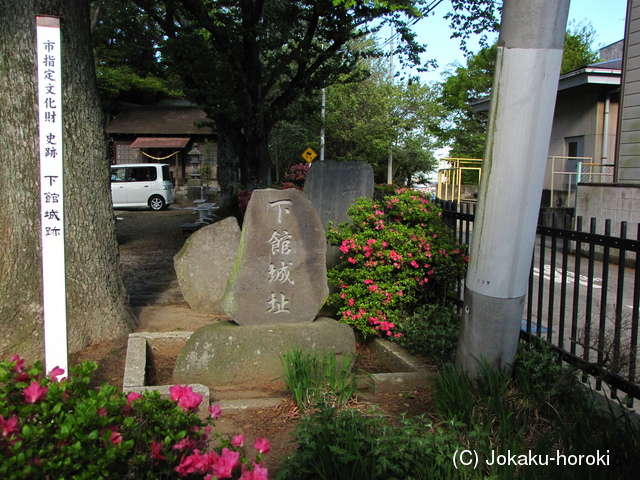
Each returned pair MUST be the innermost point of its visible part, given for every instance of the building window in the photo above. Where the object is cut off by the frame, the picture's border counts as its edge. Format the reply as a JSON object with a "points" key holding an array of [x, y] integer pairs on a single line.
{"points": [[124, 154]]}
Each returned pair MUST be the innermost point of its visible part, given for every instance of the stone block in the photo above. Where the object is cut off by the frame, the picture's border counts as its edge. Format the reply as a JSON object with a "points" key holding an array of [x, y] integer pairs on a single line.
{"points": [[224, 354], [204, 263], [136, 363]]}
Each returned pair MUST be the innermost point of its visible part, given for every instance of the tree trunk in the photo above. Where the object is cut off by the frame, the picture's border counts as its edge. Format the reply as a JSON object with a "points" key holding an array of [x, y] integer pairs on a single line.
{"points": [[244, 155], [97, 302]]}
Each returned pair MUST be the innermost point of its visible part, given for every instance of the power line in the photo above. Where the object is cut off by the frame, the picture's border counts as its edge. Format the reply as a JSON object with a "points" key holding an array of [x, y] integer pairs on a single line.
{"points": [[430, 8]]}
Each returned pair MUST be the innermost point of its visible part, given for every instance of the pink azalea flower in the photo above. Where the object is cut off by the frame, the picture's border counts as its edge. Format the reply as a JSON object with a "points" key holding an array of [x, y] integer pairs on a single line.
{"points": [[258, 472], [208, 461], [238, 440], [177, 391], [132, 397], [215, 411], [186, 398], [184, 444], [262, 445], [8, 426], [34, 392], [187, 464], [115, 436], [19, 363], [156, 448], [226, 463], [191, 400], [55, 373]]}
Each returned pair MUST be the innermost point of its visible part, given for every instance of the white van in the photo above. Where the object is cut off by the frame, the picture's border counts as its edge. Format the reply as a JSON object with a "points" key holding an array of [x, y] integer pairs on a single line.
{"points": [[141, 185]]}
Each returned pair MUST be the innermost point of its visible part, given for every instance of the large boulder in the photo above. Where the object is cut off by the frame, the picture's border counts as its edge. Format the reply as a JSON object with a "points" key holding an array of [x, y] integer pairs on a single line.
{"points": [[225, 354], [204, 263]]}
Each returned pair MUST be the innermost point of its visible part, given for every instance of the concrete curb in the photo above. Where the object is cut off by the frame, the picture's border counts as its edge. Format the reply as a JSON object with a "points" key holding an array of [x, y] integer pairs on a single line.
{"points": [[407, 371]]}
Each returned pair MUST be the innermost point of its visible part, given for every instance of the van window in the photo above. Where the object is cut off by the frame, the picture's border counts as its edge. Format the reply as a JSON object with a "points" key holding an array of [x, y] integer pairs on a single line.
{"points": [[166, 175], [118, 174], [142, 174]]}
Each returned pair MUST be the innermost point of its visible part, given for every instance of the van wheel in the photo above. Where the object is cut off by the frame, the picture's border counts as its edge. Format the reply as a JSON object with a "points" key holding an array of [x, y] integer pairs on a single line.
{"points": [[156, 203]]}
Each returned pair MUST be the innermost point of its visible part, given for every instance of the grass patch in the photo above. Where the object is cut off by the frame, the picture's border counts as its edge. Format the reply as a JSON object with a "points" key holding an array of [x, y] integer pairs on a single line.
{"points": [[319, 379]]}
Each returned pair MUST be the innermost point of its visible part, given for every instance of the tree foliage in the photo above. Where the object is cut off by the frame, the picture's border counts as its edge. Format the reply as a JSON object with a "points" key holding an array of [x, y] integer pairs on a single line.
{"points": [[579, 48], [464, 129], [366, 120], [125, 44], [375, 118], [246, 62]]}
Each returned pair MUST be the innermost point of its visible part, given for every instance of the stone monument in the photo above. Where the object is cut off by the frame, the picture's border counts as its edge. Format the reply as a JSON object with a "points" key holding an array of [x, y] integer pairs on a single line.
{"points": [[332, 187], [228, 355], [279, 275], [275, 290]]}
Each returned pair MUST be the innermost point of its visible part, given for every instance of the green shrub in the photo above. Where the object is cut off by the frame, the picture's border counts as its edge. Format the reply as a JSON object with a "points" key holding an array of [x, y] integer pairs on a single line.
{"points": [[396, 254], [349, 445], [431, 332], [61, 428]]}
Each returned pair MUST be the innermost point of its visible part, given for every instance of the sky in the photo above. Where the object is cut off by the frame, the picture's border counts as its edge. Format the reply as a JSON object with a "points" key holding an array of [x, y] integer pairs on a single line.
{"points": [[606, 17]]}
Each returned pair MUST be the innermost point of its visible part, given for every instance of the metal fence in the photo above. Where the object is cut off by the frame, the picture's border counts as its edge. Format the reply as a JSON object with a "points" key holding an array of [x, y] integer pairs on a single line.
{"points": [[583, 297], [595, 172], [564, 173]]}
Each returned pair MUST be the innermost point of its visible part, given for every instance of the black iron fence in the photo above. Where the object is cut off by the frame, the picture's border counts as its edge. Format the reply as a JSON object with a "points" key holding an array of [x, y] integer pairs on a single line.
{"points": [[583, 297]]}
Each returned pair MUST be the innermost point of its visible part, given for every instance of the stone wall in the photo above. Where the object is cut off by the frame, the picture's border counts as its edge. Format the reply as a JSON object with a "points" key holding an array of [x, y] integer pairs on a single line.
{"points": [[617, 202]]}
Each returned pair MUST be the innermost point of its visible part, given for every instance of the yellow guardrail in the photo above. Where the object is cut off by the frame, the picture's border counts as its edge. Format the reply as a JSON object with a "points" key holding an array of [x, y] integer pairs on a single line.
{"points": [[450, 177]]}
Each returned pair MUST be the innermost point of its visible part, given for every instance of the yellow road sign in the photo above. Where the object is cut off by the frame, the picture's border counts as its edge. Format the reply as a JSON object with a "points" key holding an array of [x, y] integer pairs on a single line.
{"points": [[309, 155]]}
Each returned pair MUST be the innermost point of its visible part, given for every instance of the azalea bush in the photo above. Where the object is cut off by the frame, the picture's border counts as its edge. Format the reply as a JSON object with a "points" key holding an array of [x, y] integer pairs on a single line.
{"points": [[396, 254], [296, 176], [56, 427]]}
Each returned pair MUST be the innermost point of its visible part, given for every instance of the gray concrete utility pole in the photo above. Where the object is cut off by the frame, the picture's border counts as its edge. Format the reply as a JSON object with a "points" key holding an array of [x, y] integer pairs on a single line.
{"points": [[522, 105]]}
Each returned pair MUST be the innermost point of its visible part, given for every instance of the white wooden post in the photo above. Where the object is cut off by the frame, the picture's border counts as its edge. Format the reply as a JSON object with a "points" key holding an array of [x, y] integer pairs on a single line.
{"points": [[49, 59]]}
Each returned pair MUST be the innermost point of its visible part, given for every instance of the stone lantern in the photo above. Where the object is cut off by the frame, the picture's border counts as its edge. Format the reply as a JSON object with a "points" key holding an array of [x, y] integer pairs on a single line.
{"points": [[194, 158]]}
